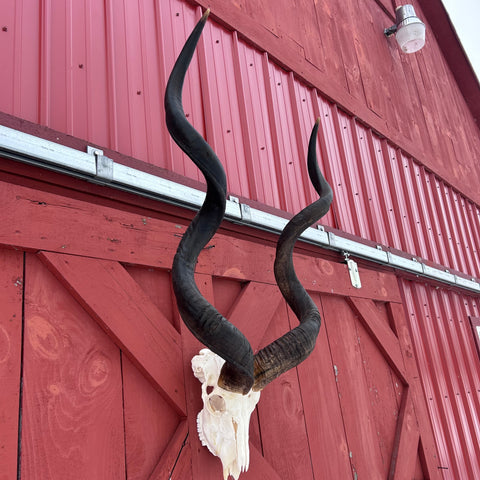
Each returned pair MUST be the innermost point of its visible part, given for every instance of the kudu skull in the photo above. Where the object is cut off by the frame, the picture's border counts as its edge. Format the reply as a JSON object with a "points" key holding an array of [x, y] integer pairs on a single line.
{"points": [[231, 374]]}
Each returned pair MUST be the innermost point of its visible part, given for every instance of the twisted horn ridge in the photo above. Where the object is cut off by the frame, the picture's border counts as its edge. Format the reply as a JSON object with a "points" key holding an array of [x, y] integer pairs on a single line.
{"points": [[295, 346], [202, 319]]}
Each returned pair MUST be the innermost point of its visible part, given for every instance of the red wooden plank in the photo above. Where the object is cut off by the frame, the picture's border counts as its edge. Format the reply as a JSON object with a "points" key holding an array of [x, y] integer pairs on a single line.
{"points": [[385, 389], [405, 451], [72, 407], [324, 276], [172, 453], [260, 467], [126, 313], [378, 327], [157, 284], [11, 293], [329, 450], [363, 443], [183, 467], [40, 220], [281, 417], [149, 420]]}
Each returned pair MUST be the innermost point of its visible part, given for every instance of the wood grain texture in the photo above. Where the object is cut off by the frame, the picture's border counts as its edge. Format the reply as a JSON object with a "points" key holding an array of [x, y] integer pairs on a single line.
{"points": [[183, 467], [11, 298], [174, 458], [204, 464], [72, 419], [384, 388], [126, 313], [380, 331], [150, 423], [254, 311], [157, 284], [60, 224], [281, 415], [405, 450], [358, 418], [329, 450]]}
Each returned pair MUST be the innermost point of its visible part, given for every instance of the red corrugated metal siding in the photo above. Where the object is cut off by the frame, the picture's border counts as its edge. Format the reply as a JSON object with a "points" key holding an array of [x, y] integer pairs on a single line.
{"points": [[449, 363], [255, 124]]}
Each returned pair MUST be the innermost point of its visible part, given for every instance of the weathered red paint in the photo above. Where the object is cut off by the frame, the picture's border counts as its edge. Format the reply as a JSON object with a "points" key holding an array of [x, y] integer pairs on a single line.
{"points": [[11, 286]]}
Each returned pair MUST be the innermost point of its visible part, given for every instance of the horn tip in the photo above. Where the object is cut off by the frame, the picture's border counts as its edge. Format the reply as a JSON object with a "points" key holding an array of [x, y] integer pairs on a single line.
{"points": [[317, 121], [206, 14]]}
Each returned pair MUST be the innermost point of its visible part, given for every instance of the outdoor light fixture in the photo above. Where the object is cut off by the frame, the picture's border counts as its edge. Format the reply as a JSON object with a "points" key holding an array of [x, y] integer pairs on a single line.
{"points": [[409, 30]]}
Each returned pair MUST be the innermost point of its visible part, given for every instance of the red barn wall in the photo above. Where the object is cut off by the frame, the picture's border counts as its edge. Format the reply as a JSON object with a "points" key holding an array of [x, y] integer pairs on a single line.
{"points": [[398, 142], [413, 100]]}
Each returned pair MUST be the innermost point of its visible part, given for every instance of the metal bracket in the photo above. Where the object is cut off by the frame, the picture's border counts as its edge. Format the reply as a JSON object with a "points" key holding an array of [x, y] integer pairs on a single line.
{"points": [[246, 213], [353, 271], [104, 165]]}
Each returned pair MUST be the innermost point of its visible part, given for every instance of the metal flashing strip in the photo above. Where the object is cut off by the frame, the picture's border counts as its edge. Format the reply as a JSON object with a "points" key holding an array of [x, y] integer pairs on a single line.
{"points": [[32, 149], [97, 168]]}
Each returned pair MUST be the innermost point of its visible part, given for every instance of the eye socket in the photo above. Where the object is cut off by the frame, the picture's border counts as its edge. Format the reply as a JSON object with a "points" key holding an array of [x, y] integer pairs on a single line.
{"points": [[217, 403]]}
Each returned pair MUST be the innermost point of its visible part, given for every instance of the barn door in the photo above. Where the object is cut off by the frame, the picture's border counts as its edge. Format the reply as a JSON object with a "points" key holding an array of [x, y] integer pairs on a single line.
{"points": [[363, 414], [107, 387], [103, 392], [354, 409]]}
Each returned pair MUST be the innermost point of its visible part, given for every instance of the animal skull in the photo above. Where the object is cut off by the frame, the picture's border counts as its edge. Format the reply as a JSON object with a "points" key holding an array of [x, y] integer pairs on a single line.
{"points": [[224, 420]]}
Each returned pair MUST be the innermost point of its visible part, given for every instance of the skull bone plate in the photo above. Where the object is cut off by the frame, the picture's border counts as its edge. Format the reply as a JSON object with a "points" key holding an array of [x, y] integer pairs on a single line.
{"points": [[223, 422]]}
